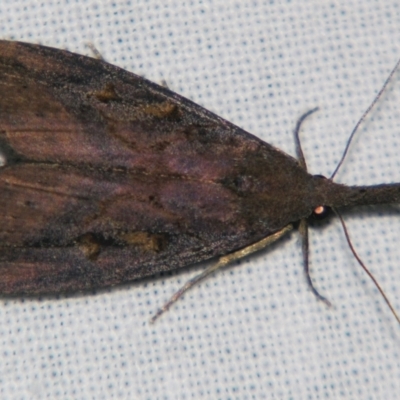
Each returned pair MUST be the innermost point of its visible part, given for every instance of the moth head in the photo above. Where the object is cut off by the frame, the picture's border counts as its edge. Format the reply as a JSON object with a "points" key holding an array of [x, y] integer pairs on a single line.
{"points": [[321, 211]]}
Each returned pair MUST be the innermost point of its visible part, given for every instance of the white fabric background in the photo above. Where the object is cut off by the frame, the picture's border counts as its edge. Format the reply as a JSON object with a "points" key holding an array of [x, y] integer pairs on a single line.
{"points": [[253, 331]]}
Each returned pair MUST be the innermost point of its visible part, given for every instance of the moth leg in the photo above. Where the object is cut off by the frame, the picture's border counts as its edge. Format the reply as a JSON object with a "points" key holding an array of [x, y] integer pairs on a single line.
{"points": [[96, 53], [303, 230], [303, 226], [164, 84], [299, 150], [222, 262]]}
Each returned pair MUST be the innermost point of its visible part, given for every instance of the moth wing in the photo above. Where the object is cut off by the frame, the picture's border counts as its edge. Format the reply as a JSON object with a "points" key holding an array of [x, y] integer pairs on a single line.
{"points": [[109, 177]]}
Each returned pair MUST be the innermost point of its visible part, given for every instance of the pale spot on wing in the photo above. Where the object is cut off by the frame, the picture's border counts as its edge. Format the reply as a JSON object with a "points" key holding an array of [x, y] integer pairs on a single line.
{"points": [[3, 160]]}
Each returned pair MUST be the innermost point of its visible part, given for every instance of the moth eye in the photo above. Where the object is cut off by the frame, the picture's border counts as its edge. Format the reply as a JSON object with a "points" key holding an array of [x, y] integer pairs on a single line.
{"points": [[321, 212]]}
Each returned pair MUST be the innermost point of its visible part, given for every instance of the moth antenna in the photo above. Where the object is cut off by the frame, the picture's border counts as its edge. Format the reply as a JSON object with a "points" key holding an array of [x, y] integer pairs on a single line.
{"points": [[303, 230], [299, 150], [365, 268], [360, 121]]}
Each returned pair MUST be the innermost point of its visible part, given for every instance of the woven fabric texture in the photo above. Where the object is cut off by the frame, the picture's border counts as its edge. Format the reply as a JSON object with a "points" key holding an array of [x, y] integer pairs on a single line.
{"points": [[254, 330]]}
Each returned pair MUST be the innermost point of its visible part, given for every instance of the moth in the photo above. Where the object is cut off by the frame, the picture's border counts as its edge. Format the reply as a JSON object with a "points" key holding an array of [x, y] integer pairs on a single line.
{"points": [[107, 177]]}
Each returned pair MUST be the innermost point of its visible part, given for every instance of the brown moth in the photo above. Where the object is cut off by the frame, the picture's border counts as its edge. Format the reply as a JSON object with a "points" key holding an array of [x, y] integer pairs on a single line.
{"points": [[107, 178]]}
